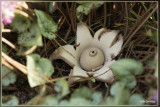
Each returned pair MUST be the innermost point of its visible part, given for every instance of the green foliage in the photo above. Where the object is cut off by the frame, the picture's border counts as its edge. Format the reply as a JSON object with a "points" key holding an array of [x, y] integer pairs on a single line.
{"points": [[39, 69], [81, 96], [149, 62], [10, 78], [50, 7], [119, 100], [125, 71], [153, 35], [20, 23], [11, 100], [31, 37], [50, 100], [83, 92], [96, 98], [62, 88], [130, 81], [136, 99], [46, 24], [115, 89], [85, 7], [28, 33], [124, 67], [22, 50], [5, 49], [79, 101]]}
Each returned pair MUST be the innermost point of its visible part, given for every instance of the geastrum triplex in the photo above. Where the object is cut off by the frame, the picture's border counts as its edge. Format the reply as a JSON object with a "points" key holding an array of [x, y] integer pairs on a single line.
{"points": [[93, 55]]}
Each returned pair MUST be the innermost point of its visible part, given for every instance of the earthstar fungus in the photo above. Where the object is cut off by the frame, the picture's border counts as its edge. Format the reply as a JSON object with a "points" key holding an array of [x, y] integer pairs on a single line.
{"points": [[93, 55]]}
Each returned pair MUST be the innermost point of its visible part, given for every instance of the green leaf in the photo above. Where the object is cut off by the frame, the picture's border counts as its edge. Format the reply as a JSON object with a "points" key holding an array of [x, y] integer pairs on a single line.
{"points": [[136, 99], [31, 37], [96, 97], [50, 7], [120, 94], [122, 97], [10, 78], [79, 101], [83, 92], [93, 80], [131, 19], [20, 23], [152, 35], [155, 36], [130, 81], [144, 6], [5, 49], [28, 31], [22, 50], [109, 101], [50, 100], [10, 100], [62, 88], [39, 69], [134, 13], [149, 32], [86, 7], [64, 102], [117, 91], [149, 62], [120, 72], [124, 67], [47, 25], [115, 88]]}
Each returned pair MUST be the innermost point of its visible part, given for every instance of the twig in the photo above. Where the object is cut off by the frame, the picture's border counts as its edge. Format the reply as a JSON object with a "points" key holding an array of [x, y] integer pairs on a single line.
{"points": [[7, 30], [93, 89], [15, 63], [105, 15], [61, 38], [24, 14], [106, 95], [3, 76], [138, 27], [64, 15], [9, 44], [63, 48], [68, 32], [30, 50], [126, 29], [7, 64], [147, 57], [44, 49], [70, 16]]}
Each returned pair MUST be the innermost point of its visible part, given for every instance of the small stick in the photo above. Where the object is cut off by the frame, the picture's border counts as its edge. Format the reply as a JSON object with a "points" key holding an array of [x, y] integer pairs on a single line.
{"points": [[15, 63], [6, 74], [126, 29], [7, 30], [131, 34], [106, 95], [24, 14], [30, 50], [7, 64], [105, 15], [9, 44], [61, 38], [63, 48]]}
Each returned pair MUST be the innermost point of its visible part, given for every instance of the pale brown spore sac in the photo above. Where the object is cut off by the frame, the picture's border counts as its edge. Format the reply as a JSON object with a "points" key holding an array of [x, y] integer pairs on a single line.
{"points": [[91, 58]]}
